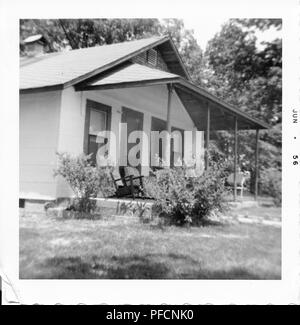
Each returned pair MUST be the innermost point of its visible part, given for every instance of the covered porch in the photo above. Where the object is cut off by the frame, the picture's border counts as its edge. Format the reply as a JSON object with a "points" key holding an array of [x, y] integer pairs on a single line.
{"points": [[207, 112]]}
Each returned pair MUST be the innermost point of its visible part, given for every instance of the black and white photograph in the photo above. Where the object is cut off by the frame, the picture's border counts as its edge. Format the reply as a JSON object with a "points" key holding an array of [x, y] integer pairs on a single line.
{"points": [[151, 148], [108, 108]]}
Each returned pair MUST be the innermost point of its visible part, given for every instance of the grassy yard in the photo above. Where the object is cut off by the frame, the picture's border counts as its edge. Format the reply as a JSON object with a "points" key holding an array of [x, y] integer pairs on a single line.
{"points": [[122, 249]]}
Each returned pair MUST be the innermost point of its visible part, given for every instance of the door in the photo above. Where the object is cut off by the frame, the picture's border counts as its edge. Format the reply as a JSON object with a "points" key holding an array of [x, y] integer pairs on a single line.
{"points": [[134, 120]]}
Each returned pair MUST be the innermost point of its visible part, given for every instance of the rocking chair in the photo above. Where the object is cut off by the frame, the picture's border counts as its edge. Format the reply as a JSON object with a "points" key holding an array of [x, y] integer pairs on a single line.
{"points": [[130, 184]]}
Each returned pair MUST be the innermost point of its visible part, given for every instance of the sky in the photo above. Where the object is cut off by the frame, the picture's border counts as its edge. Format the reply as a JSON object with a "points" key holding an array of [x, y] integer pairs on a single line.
{"points": [[206, 28]]}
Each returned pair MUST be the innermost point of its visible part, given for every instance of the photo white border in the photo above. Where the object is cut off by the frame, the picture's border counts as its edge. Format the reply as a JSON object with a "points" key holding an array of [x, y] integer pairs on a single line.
{"points": [[283, 291]]}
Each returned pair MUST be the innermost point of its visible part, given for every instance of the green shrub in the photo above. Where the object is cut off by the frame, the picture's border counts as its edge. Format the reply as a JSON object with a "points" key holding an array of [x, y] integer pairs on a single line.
{"points": [[172, 200], [182, 198], [86, 180], [210, 192], [270, 184]]}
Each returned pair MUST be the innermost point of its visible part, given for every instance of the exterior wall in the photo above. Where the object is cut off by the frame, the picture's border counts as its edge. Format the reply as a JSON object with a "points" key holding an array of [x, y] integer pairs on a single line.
{"points": [[151, 100], [39, 123], [71, 131]]}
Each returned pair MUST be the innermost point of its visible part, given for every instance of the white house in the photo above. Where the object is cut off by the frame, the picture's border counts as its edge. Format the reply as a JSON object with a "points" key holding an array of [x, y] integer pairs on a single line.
{"points": [[67, 97]]}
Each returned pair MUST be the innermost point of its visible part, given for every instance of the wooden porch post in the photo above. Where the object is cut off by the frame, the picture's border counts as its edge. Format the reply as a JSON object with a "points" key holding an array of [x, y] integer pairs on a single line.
{"points": [[170, 90], [235, 156], [207, 138], [168, 127], [256, 164]]}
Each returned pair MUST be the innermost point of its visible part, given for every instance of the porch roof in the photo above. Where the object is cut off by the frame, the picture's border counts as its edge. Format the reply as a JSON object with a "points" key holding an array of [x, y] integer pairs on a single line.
{"points": [[195, 99]]}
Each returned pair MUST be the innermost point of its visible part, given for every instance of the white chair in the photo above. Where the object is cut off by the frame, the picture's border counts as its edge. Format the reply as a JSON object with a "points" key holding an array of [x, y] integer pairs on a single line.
{"points": [[240, 181]]}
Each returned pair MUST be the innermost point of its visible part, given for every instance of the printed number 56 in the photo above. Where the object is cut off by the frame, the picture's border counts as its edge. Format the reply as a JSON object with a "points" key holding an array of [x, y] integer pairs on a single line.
{"points": [[295, 162]]}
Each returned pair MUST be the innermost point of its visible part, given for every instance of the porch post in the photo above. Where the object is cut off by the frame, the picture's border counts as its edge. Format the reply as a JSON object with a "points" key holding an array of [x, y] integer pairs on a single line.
{"points": [[207, 138], [235, 156], [256, 164], [168, 127], [170, 90]]}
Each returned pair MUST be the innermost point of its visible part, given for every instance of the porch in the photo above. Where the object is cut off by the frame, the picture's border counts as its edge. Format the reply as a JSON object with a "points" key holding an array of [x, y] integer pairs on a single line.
{"points": [[207, 112]]}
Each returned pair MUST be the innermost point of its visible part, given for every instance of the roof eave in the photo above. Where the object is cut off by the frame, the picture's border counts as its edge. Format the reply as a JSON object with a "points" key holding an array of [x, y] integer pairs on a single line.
{"points": [[40, 89]]}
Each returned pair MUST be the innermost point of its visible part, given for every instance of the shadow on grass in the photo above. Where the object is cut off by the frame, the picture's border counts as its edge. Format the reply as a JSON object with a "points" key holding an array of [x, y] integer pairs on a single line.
{"points": [[131, 267], [235, 273], [209, 223], [135, 267]]}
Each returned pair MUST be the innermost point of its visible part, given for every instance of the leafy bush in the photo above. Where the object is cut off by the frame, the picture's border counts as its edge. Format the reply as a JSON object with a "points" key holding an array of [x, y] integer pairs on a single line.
{"points": [[182, 198], [172, 200], [270, 184], [85, 180]]}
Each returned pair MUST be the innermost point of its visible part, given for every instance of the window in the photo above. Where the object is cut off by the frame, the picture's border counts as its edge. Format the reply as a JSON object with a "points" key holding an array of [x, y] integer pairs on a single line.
{"points": [[177, 148], [97, 119], [158, 125]]}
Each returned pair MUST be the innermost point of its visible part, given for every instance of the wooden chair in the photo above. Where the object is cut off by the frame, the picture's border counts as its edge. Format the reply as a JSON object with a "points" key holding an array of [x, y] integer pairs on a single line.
{"points": [[130, 184]]}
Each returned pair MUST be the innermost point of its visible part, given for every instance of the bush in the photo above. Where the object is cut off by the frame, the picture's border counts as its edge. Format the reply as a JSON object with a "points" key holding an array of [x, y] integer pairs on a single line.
{"points": [[86, 181], [182, 198], [270, 184]]}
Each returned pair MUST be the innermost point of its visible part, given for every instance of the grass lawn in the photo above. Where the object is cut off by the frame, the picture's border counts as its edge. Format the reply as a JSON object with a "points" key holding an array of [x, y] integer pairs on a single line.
{"points": [[118, 249]]}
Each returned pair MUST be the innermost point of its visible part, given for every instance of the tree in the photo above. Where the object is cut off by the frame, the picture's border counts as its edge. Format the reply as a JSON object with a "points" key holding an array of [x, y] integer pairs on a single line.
{"points": [[188, 47], [248, 76], [81, 33], [244, 75]]}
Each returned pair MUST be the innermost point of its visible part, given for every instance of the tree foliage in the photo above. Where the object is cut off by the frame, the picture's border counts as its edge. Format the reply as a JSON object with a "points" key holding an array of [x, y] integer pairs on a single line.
{"points": [[188, 47], [81, 33], [248, 75], [243, 74]]}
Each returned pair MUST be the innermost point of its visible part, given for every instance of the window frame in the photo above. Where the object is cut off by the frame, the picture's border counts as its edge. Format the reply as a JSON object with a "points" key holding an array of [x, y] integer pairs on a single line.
{"points": [[93, 105]]}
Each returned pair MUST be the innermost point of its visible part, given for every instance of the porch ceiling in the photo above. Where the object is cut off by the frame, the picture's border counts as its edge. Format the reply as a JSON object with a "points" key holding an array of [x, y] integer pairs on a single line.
{"points": [[222, 115], [195, 99]]}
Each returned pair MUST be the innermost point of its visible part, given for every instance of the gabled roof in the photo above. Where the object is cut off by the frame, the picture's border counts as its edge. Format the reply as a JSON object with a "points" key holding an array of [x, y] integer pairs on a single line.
{"points": [[68, 68]]}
